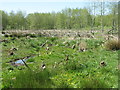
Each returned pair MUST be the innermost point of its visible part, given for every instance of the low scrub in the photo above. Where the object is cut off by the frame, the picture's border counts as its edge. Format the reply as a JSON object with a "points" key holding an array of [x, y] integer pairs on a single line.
{"points": [[65, 67]]}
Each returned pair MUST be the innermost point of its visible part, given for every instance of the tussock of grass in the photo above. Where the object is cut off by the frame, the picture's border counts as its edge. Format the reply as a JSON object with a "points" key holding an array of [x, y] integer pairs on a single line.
{"points": [[113, 44], [83, 45], [37, 79]]}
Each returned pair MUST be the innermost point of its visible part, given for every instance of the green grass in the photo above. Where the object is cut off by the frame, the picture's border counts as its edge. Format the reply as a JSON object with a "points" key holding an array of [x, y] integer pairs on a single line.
{"points": [[82, 70]]}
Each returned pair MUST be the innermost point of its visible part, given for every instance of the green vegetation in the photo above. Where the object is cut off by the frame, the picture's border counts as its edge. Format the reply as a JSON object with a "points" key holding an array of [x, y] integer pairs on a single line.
{"points": [[65, 67], [74, 54], [86, 18]]}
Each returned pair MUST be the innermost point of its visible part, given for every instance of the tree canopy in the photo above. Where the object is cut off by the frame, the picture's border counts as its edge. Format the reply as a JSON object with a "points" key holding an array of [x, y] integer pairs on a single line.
{"points": [[67, 18]]}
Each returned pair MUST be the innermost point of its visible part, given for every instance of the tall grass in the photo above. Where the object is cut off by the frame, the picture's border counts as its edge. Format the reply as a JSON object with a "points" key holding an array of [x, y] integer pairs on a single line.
{"points": [[93, 82], [32, 79]]}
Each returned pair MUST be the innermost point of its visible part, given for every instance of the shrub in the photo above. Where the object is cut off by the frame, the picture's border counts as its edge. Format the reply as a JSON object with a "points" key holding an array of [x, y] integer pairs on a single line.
{"points": [[73, 65], [113, 44]]}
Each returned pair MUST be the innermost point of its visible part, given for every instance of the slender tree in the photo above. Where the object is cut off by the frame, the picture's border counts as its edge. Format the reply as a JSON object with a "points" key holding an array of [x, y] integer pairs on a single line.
{"points": [[102, 15]]}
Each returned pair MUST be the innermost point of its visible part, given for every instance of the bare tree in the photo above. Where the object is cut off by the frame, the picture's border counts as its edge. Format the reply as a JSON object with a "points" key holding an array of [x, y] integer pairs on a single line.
{"points": [[114, 27], [102, 14], [113, 6], [93, 16], [92, 12]]}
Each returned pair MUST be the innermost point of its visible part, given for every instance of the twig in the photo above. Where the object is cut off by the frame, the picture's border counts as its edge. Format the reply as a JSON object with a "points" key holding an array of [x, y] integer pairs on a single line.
{"points": [[26, 64]]}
